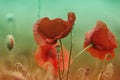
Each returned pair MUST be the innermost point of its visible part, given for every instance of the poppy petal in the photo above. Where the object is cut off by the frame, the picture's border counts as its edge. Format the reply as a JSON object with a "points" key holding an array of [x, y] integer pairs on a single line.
{"points": [[102, 39], [47, 53], [51, 30], [37, 36]]}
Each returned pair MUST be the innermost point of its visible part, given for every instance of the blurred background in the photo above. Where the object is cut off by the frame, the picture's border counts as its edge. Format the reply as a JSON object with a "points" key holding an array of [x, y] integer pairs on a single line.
{"points": [[17, 17]]}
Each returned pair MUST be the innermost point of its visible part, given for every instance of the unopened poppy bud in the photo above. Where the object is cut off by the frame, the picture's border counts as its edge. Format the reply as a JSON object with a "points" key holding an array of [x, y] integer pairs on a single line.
{"points": [[10, 42]]}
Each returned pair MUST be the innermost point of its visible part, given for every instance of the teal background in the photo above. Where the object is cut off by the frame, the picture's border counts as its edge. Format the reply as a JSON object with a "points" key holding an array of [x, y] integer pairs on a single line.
{"points": [[26, 13]]}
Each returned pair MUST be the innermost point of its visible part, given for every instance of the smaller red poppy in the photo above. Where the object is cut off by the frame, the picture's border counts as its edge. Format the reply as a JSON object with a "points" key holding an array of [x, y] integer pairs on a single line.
{"points": [[48, 53], [102, 39], [51, 30]]}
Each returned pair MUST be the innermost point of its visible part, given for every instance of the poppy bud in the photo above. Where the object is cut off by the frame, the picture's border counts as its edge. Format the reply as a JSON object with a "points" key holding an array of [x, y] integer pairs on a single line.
{"points": [[10, 42]]}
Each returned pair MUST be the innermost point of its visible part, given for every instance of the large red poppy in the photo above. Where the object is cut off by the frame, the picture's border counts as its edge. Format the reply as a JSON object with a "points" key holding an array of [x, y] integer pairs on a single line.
{"points": [[51, 30], [48, 53], [102, 39]]}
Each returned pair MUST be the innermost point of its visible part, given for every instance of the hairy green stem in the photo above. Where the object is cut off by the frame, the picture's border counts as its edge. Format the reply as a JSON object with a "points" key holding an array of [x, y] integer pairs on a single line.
{"points": [[69, 56], [62, 56], [58, 54]]}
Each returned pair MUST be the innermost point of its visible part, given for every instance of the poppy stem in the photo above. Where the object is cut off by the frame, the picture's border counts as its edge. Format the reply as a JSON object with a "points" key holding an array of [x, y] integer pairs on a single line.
{"points": [[69, 56], [59, 65], [62, 56], [76, 58], [105, 58], [90, 45], [11, 58]]}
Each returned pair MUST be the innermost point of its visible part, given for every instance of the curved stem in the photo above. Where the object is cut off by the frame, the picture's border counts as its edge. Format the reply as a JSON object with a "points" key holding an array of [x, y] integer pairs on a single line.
{"points": [[105, 58], [69, 56], [103, 66], [90, 45], [62, 56], [76, 59]]}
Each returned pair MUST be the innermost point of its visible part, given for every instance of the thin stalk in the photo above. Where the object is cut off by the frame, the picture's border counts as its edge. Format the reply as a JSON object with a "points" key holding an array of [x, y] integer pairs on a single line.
{"points": [[80, 53], [77, 57], [62, 56], [105, 58], [59, 66], [103, 66], [69, 55], [11, 59]]}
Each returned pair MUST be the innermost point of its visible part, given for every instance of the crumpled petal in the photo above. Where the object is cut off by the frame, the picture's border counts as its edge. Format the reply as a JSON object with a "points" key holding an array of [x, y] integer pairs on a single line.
{"points": [[47, 53], [102, 39], [51, 30]]}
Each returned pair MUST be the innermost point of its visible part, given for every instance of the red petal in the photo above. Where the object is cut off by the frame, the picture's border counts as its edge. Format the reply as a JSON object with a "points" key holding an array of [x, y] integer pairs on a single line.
{"points": [[100, 54], [51, 30], [102, 39], [38, 57], [37, 36], [71, 17], [47, 53]]}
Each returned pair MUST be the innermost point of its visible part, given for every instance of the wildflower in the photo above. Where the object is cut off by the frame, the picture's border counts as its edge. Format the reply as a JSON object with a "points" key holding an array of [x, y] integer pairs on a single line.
{"points": [[48, 53], [102, 39], [51, 30]]}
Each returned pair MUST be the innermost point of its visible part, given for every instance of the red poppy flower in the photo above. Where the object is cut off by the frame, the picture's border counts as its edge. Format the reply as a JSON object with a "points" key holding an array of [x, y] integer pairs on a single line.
{"points": [[51, 30], [48, 53], [102, 40]]}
